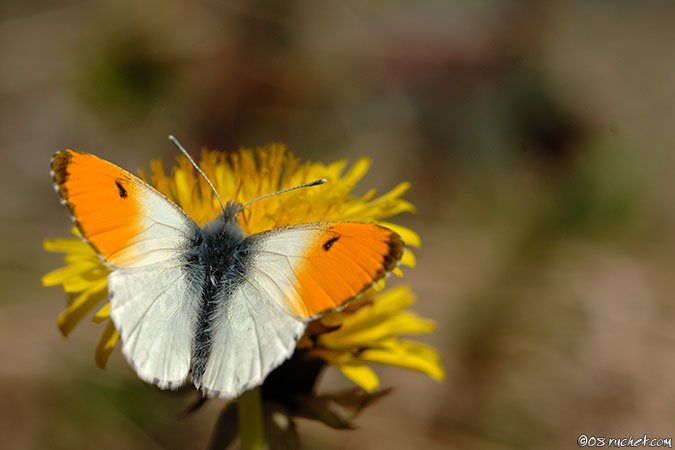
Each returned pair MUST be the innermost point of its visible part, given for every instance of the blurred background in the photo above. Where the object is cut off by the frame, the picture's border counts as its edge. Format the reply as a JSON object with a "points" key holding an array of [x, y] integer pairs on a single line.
{"points": [[538, 137]]}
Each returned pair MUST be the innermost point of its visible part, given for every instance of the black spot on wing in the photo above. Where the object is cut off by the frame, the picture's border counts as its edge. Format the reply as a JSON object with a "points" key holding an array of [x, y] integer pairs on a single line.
{"points": [[120, 188], [329, 243]]}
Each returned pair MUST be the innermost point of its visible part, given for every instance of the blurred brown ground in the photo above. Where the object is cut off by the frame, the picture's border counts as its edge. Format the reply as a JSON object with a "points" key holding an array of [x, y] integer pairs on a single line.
{"points": [[539, 140]]}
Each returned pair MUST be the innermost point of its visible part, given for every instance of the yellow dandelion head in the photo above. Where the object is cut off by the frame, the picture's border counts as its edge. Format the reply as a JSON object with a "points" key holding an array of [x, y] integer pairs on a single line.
{"points": [[243, 176]]}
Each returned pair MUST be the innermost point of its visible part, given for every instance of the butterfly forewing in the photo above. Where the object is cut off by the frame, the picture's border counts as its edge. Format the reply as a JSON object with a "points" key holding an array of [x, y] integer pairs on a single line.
{"points": [[313, 268], [127, 221]]}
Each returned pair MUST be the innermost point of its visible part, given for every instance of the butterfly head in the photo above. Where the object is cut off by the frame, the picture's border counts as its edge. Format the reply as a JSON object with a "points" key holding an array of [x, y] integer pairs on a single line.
{"points": [[225, 226], [231, 211]]}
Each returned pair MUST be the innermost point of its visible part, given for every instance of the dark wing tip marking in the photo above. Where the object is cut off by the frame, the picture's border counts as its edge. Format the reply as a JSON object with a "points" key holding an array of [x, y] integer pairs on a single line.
{"points": [[390, 259], [60, 162], [395, 244]]}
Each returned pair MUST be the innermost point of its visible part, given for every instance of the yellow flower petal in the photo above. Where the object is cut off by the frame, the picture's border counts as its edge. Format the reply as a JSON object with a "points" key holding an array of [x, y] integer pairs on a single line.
{"points": [[106, 345], [410, 238], [183, 192], [387, 304], [361, 375], [350, 367], [357, 172], [82, 304], [102, 314], [386, 206], [67, 246], [377, 308], [408, 355], [71, 273], [368, 331], [408, 258], [84, 281], [372, 332]]}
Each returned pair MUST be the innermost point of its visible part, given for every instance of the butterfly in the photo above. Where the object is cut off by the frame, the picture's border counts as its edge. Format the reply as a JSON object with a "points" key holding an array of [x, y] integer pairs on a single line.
{"points": [[211, 304]]}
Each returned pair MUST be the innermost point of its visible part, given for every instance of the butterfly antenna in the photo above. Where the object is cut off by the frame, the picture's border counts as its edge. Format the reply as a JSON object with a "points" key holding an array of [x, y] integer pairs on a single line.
{"points": [[187, 155], [300, 186]]}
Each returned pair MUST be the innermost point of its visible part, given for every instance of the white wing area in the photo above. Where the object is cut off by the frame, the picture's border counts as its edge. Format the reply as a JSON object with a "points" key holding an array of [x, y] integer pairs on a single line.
{"points": [[252, 337], [155, 309], [164, 230], [278, 252]]}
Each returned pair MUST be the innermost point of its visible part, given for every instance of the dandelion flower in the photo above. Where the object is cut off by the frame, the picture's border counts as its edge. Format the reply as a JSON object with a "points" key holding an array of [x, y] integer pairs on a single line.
{"points": [[366, 331]]}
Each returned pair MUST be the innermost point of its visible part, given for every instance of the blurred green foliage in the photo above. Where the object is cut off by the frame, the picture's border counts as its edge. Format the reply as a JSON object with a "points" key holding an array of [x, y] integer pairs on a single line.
{"points": [[122, 79]]}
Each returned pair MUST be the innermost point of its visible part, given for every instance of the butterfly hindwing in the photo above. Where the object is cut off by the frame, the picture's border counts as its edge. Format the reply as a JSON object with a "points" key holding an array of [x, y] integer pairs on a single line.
{"points": [[155, 310], [251, 337]]}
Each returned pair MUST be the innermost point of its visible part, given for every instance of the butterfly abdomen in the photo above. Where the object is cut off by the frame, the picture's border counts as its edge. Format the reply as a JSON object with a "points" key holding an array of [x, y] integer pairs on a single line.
{"points": [[223, 257]]}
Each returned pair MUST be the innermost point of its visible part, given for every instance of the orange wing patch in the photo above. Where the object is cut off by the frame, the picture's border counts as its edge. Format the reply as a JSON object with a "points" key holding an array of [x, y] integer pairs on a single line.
{"points": [[344, 260], [103, 199]]}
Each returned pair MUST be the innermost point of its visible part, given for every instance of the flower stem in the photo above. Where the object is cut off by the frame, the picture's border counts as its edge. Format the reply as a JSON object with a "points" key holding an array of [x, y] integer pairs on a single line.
{"points": [[250, 420]]}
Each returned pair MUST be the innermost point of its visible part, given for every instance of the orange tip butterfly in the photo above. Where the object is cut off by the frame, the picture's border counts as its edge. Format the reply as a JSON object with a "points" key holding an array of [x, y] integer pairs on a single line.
{"points": [[211, 304]]}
